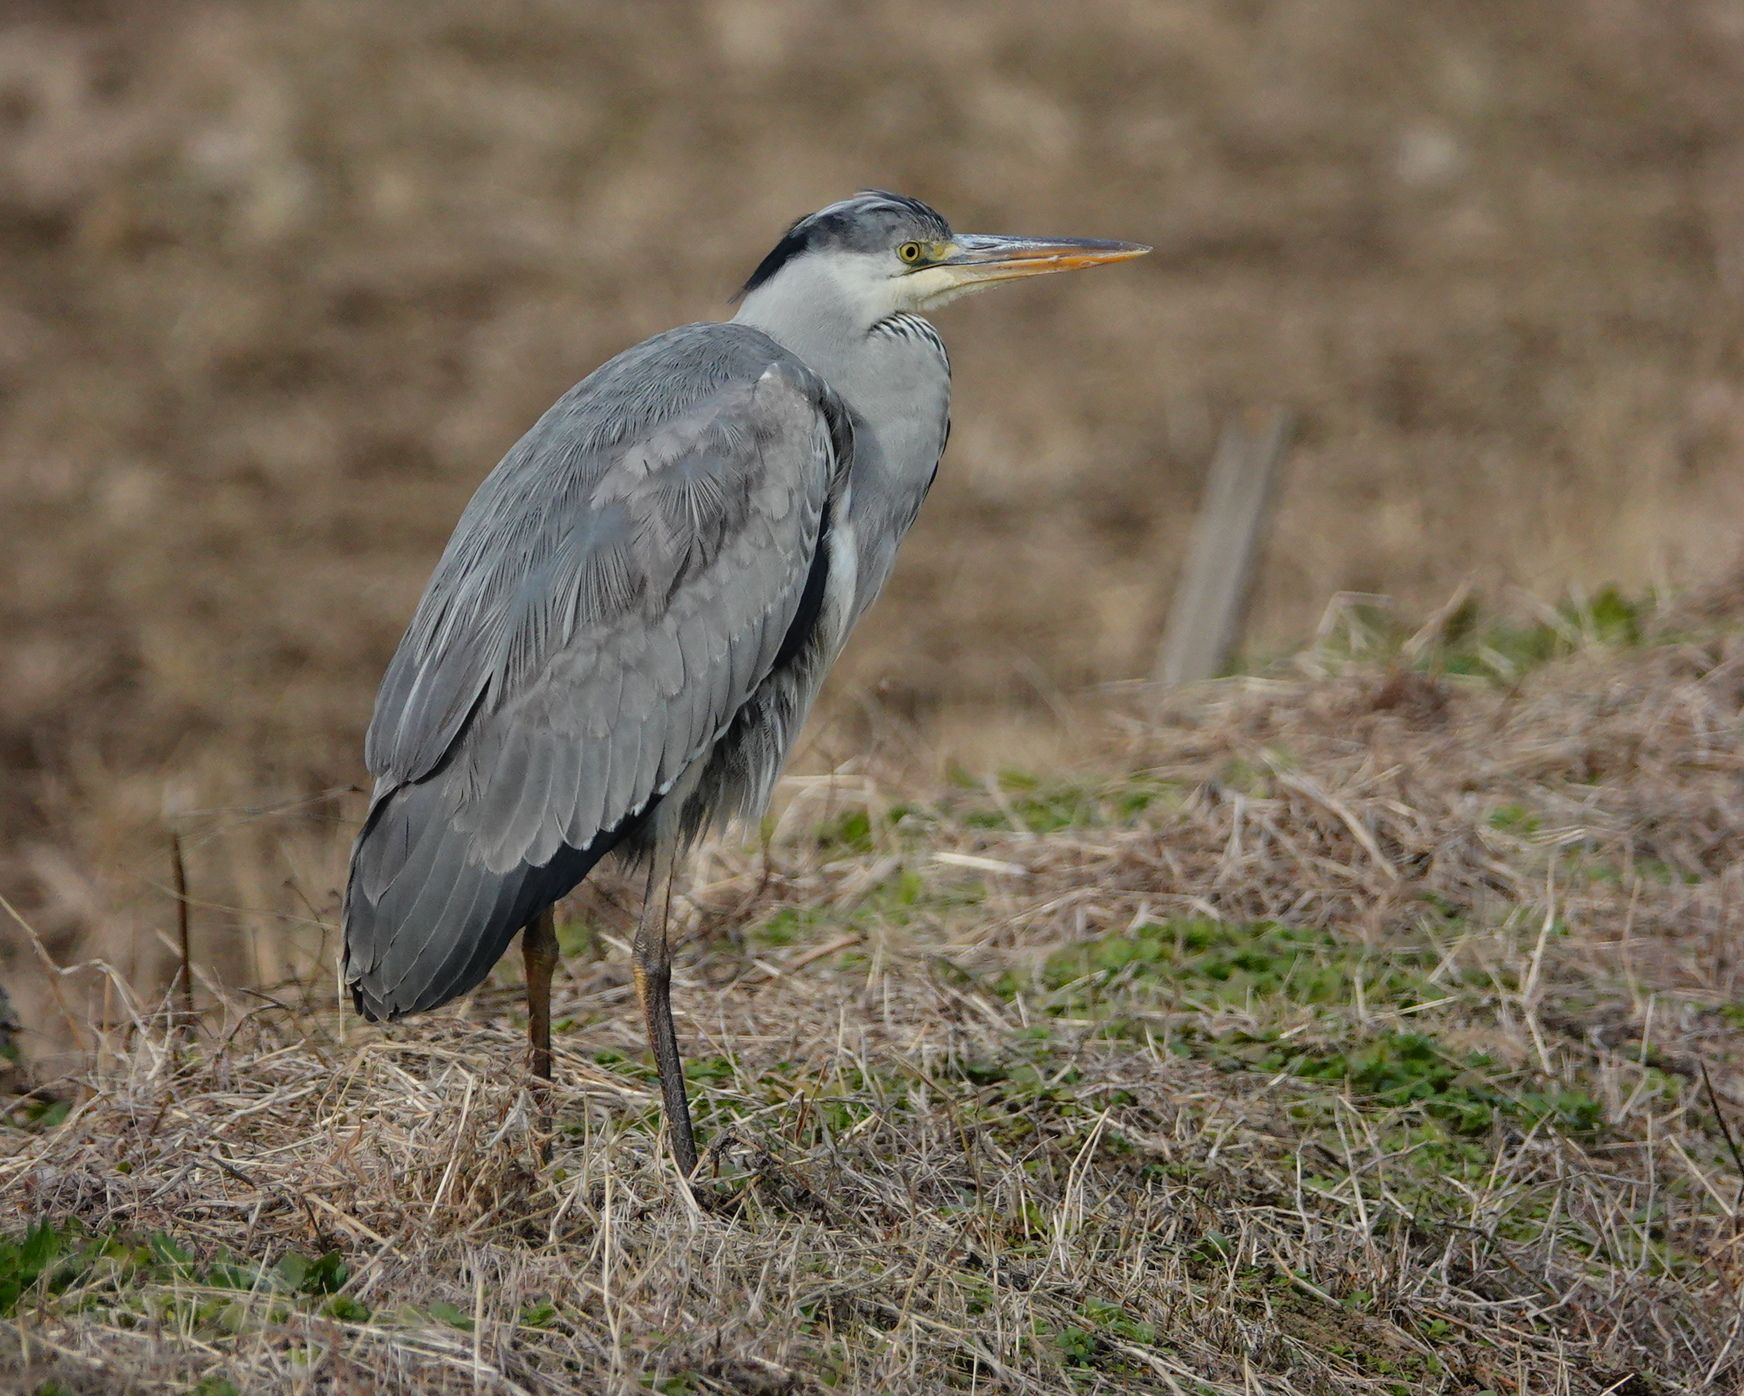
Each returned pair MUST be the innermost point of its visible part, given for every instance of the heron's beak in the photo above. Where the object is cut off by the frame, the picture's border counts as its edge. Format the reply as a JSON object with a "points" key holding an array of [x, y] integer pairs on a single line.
{"points": [[979, 258]]}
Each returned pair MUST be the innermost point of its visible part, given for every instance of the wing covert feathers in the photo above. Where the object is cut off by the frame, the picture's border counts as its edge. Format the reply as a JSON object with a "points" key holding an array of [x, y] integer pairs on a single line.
{"points": [[611, 597]]}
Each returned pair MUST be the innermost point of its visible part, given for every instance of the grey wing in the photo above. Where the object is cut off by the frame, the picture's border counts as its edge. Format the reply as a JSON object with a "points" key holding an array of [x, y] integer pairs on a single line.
{"points": [[613, 595]]}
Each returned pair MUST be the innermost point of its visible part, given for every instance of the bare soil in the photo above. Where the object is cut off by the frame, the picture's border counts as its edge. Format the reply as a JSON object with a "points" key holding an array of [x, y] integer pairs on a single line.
{"points": [[279, 283]]}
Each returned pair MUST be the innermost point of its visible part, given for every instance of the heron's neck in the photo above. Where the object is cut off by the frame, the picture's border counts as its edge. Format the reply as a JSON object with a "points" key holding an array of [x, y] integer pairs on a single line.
{"points": [[896, 379], [822, 319]]}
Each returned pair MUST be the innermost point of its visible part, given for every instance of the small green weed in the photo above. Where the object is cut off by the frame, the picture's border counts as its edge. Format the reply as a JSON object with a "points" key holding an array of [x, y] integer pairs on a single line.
{"points": [[55, 1255], [52, 1258], [1031, 804], [1410, 1069], [1476, 643], [1514, 819], [897, 901], [1200, 964]]}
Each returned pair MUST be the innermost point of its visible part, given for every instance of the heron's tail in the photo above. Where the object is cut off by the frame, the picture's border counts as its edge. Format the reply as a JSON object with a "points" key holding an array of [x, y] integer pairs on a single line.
{"points": [[425, 919]]}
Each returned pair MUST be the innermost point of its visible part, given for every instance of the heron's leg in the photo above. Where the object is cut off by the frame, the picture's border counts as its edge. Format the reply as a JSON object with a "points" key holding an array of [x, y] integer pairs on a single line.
{"points": [[653, 971], [539, 949]]}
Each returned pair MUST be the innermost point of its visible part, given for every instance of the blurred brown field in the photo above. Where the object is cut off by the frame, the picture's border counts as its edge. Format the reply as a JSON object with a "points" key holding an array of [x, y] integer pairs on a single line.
{"points": [[278, 284]]}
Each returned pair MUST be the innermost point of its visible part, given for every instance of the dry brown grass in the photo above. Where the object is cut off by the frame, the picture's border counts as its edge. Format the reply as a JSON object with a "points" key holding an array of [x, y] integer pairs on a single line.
{"points": [[1342, 1032]]}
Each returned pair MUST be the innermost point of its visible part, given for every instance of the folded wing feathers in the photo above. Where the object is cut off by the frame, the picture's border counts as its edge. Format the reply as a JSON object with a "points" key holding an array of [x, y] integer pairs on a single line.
{"points": [[594, 637], [589, 796]]}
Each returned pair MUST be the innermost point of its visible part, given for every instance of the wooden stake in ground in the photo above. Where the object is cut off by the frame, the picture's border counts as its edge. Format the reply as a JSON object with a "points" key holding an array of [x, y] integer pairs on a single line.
{"points": [[1209, 604], [185, 975]]}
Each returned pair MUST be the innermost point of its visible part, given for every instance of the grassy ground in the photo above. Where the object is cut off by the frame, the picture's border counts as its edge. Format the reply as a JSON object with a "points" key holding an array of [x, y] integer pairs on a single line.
{"points": [[1351, 1030]]}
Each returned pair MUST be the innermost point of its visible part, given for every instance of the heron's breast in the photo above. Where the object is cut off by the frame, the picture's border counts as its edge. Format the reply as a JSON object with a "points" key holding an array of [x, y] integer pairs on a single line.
{"points": [[841, 589]]}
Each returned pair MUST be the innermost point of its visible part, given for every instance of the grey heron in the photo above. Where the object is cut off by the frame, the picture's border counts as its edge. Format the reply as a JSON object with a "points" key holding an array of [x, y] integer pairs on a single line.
{"points": [[629, 624]]}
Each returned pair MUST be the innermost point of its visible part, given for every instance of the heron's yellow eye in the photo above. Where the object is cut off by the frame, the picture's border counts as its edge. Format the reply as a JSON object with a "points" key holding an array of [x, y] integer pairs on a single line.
{"points": [[909, 252]]}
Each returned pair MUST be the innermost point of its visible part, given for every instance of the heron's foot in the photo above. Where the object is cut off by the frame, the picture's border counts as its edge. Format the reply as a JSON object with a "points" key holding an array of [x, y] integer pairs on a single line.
{"points": [[732, 1169], [714, 1192], [541, 1112]]}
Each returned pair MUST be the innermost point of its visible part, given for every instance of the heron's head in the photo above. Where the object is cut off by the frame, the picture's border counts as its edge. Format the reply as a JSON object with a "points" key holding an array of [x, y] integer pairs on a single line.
{"points": [[877, 254]]}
